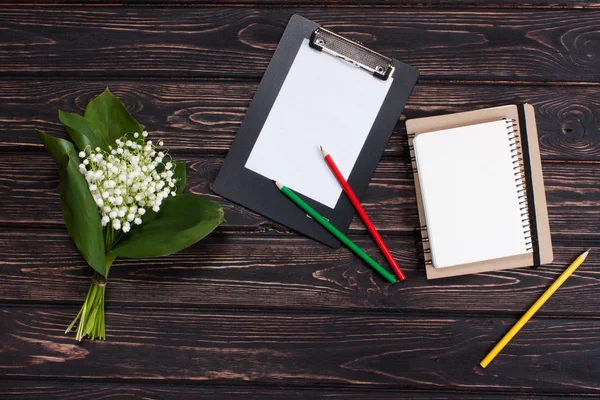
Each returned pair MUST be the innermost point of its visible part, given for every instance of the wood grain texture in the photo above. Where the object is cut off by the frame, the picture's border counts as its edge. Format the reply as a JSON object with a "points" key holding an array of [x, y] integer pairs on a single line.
{"points": [[203, 117], [307, 349], [29, 195], [49, 390], [255, 311], [424, 4], [287, 273], [238, 42]]}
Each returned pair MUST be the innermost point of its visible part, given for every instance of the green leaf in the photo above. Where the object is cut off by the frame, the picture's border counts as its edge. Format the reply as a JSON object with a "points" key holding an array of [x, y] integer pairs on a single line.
{"points": [[83, 133], [181, 222], [79, 209], [57, 147], [107, 114], [179, 174], [81, 215]]}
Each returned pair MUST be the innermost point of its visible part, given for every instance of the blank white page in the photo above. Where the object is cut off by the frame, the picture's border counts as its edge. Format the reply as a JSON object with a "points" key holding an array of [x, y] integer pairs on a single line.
{"points": [[469, 194], [323, 102]]}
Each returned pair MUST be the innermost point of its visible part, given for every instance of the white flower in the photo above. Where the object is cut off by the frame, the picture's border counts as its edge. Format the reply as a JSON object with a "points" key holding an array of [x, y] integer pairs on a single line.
{"points": [[124, 182]]}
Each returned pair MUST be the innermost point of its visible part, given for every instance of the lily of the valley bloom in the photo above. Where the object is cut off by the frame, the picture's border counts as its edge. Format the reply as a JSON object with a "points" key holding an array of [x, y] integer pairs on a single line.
{"points": [[129, 179], [125, 200]]}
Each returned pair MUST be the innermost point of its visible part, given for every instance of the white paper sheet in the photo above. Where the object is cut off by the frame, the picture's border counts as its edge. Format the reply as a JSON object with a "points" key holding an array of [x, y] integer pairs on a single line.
{"points": [[469, 193], [323, 102]]}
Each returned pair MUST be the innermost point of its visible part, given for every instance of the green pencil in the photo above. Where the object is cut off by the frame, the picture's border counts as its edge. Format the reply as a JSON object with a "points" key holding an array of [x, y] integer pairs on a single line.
{"points": [[335, 232]]}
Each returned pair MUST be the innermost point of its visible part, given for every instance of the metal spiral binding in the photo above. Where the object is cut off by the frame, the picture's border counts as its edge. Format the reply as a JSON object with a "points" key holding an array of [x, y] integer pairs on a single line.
{"points": [[424, 242], [512, 128]]}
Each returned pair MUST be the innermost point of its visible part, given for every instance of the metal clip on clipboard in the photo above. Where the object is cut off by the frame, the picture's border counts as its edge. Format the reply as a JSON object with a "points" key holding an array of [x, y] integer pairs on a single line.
{"points": [[331, 43]]}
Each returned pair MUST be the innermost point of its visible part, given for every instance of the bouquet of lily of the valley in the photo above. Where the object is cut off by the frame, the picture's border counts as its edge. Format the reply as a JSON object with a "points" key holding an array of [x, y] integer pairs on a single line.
{"points": [[122, 196]]}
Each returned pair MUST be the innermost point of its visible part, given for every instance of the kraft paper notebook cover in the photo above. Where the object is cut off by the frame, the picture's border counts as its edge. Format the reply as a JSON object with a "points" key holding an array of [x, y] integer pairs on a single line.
{"points": [[480, 191], [319, 89]]}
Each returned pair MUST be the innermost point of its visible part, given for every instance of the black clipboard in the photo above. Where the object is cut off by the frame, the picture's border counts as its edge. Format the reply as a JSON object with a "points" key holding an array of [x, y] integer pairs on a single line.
{"points": [[249, 189]]}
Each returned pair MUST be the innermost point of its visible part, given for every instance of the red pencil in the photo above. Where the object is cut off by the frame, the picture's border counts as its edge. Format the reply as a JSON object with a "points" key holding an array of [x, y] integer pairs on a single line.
{"points": [[363, 214]]}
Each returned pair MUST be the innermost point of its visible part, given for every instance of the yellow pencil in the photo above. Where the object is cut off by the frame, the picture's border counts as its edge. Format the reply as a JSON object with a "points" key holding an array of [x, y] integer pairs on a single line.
{"points": [[536, 306]]}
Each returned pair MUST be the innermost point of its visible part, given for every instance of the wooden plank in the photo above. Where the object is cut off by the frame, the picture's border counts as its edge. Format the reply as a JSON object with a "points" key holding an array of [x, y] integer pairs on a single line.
{"points": [[478, 4], [238, 42], [30, 195], [203, 117], [307, 349], [18, 390], [286, 272]]}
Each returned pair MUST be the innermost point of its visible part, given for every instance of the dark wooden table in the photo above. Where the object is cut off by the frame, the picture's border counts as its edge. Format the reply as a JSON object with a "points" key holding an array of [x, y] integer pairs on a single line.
{"points": [[256, 310]]}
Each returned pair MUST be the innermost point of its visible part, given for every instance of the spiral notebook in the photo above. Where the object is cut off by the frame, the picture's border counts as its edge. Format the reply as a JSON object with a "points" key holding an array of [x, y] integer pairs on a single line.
{"points": [[481, 196]]}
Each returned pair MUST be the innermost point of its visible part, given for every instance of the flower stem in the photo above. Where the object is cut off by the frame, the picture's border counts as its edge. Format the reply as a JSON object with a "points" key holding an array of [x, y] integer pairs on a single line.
{"points": [[91, 314]]}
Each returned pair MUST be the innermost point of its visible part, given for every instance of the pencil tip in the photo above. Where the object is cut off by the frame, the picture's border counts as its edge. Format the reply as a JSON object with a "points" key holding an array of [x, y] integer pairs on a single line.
{"points": [[585, 253], [279, 185], [323, 151]]}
